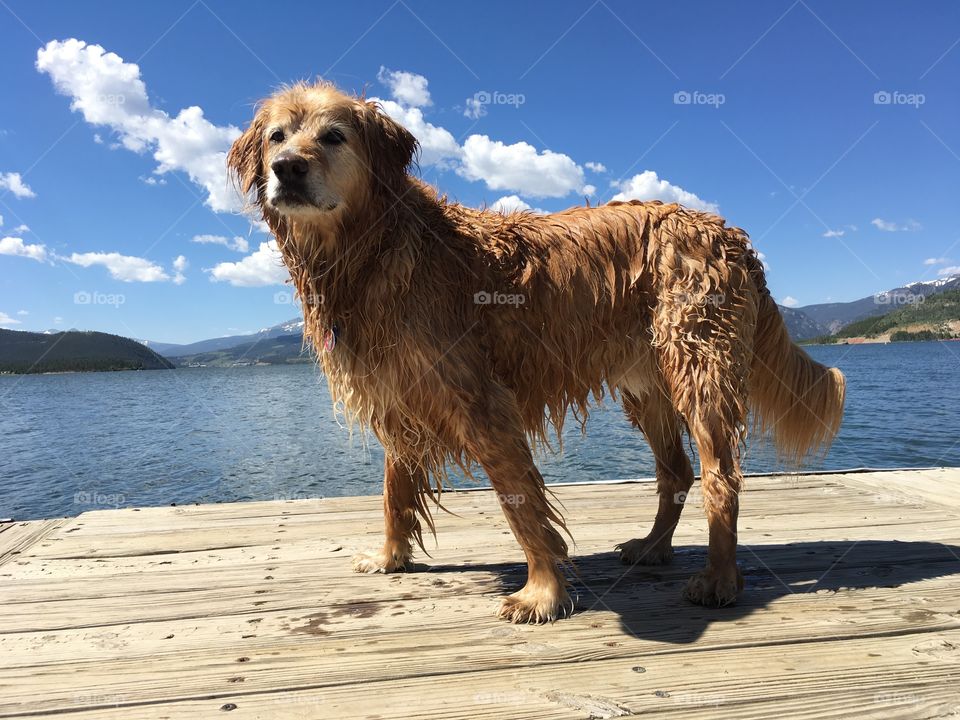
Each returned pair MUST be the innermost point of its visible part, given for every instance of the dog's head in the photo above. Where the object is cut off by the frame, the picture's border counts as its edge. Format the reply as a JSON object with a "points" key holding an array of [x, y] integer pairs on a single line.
{"points": [[312, 151]]}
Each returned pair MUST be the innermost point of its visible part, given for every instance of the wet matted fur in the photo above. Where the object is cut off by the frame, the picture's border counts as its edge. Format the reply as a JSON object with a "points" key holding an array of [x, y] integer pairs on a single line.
{"points": [[461, 336]]}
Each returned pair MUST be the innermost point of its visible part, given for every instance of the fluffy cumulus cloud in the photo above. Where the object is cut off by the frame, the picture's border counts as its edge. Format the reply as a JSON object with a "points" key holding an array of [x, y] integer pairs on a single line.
{"points": [[7, 320], [109, 92], [595, 167], [936, 261], [121, 267], [12, 182], [789, 301], [889, 226], [520, 168], [437, 145], [236, 243], [834, 233], [512, 203], [262, 267], [17, 247], [406, 87], [180, 265], [647, 186]]}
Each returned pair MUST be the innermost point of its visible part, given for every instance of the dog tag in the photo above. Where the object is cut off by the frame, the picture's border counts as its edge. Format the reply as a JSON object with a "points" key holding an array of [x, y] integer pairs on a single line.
{"points": [[330, 339]]}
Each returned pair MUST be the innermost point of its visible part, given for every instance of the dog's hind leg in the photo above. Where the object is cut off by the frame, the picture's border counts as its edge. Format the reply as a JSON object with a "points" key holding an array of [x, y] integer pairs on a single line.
{"points": [[401, 490], [656, 417], [704, 346], [492, 433], [718, 584]]}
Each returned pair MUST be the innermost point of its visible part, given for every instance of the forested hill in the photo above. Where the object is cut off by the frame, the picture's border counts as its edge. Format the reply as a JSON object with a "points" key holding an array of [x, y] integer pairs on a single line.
{"points": [[74, 351]]}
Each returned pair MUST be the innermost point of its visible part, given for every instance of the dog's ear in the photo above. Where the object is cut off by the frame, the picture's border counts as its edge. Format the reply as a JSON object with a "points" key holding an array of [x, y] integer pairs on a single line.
{"points": [[390, 146], [245, 158]]}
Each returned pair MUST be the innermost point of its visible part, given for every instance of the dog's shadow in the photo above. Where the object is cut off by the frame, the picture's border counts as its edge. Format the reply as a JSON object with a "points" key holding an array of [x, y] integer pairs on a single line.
{"points": [[648, 601]]}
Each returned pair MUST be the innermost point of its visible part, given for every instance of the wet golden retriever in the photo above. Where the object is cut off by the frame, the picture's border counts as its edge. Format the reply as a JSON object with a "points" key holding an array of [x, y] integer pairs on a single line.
{"points": [[461, 336]]}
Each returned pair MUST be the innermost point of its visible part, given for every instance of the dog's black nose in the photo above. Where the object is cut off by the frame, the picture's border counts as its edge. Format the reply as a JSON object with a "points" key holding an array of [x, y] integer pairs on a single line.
{"points": [[289, 166]]}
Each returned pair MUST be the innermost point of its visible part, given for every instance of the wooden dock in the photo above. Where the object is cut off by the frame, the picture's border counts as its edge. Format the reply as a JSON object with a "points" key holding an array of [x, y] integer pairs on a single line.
{"points": [[250, 610]]}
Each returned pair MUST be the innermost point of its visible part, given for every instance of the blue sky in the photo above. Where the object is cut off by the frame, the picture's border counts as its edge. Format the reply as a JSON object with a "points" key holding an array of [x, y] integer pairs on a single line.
{"points": [[767, 111]]}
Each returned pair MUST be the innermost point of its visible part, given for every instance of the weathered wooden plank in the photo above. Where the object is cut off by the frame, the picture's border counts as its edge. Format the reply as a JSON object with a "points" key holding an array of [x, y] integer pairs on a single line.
{"points": [[18, 538], [894, 677]]}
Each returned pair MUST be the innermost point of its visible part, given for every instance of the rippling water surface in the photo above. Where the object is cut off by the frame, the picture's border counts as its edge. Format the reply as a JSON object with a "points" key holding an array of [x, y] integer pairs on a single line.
{"points": [[70, 443]]}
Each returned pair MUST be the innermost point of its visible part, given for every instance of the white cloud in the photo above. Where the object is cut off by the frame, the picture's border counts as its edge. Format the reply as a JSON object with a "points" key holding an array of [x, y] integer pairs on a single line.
{"points": [[647, 186], [936, 261], [763, 260], [406, 87], [262, 267], [789, 301], [121, 267], [512, 203], [948, 271], [474, 108], [152, 180], [437, 145], [23, 312], [595, 167], [889, 226], [238, 243], [16, 246], [109, 92], [509, 204], [180, 264], [519, 167], [589, 190], [7, 320], [834, 233], [20, 230], [12, 182]]}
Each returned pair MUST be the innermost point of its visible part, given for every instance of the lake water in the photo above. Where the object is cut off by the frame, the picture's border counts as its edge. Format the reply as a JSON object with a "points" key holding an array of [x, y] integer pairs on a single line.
{"points": [[71, 443]]}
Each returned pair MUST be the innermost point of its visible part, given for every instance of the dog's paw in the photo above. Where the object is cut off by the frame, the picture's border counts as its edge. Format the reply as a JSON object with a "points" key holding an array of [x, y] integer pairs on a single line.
{"points": [[379, 562], [645, 551], [535, 606], [714, 587]]}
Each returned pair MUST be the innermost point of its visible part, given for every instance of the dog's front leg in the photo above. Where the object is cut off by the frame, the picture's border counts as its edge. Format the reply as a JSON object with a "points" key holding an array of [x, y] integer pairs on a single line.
{"points": [[496, 439], [401, 524]]}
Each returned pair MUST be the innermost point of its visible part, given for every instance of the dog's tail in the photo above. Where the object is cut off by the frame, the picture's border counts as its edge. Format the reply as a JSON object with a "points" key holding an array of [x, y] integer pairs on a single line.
{"points": [[793, 397]]}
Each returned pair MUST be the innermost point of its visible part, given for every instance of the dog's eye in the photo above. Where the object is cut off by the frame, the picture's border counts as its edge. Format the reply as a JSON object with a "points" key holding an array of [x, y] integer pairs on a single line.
{"points": [[333, 137], [277, 136]]}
